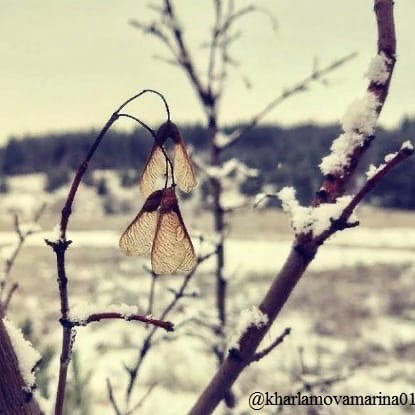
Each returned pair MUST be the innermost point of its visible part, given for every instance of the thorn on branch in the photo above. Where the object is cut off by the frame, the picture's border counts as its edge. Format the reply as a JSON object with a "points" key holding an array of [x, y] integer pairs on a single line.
{"points": [[260, 355]]}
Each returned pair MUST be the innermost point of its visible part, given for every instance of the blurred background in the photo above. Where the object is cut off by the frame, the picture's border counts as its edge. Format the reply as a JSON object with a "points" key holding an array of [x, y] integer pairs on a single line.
{"points": [[66, 66]]}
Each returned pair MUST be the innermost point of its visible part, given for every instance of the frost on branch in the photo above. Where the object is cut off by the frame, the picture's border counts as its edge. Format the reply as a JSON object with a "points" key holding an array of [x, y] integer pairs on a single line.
{"points": [[27, 356], [232, 174], [407, 145], [373, 170], [358, 123], [314, 220], [232, 167], [81, 311], [378, 71], [223, 140], [251, 317]]}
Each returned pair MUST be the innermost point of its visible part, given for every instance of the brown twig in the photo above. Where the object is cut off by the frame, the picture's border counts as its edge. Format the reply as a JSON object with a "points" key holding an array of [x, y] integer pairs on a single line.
{"points": [[265, 352], [111, 398], [141, 402], [112, 315]]}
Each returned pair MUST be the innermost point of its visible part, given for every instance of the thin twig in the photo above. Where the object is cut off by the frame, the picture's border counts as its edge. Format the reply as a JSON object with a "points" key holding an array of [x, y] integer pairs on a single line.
{"points": [[95, 317], [9, 263], [261, 354], [111, 398], [141, 402], [301, 86], [147, 342]]}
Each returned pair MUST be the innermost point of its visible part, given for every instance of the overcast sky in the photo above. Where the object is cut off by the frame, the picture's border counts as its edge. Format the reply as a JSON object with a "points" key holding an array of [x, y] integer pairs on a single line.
{"points": [[67, 64]]}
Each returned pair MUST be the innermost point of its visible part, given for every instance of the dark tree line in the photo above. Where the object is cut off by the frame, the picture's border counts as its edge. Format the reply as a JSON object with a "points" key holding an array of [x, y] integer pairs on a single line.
{"points": [[294, 160]]}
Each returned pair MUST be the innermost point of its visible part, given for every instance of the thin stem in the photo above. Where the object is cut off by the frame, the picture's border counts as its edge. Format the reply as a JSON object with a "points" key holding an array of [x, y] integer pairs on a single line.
{"points": [[145, 91], [95, 317], [143, 124], [154, 135]]}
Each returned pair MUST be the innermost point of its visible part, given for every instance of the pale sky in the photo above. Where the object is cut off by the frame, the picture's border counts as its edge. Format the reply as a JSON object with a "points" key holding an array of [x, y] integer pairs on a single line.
{"points": [[67, 64]]}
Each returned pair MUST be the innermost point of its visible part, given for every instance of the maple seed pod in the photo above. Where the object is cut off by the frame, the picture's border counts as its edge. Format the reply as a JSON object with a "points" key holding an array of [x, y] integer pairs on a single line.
{"points": [[138, 238], [172, 249], [158, 230], [155, 165], [183, 167]]}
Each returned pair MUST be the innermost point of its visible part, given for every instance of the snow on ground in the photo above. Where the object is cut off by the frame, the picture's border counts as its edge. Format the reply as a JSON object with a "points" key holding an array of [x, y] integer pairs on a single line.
{"points": [[352, 314], [349, 248]]}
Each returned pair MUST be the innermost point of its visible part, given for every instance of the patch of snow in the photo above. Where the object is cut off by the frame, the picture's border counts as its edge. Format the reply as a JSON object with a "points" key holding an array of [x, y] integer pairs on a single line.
{"points": [[222, 139], [341, 151], [251, 317], [312, 219], [361, 115], [27, 355], [378, 70], [358, 123], [407, 145], [82, 310]]}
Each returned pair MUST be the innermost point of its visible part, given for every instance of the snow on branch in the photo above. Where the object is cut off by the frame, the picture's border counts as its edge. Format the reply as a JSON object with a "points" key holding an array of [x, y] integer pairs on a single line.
{"points": [[358, 123], [360, 119], [251, 317], [311, 220], [27, 356], [84, 314], [378, 72], [232, 167]]}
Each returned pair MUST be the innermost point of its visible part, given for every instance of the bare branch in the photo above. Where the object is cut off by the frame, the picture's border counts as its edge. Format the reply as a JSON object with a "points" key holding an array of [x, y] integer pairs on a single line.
{"points": [[301, 86], [260, 355], [141, 402], [93, 318], [9, 262], [111, 398]]}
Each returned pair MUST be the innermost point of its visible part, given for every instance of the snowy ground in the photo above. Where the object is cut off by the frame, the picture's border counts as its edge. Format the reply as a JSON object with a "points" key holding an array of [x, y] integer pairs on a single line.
{"points": [[352, 315]]}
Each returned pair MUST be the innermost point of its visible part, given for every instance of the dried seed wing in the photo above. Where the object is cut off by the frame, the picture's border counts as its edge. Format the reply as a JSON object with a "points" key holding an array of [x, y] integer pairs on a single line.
{"points": [[183, 168], [154, 168], [189, 255], [138, 237], [172, 248]]}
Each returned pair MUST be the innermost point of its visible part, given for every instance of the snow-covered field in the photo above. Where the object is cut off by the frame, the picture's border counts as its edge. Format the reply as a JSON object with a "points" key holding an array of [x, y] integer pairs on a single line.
{"points": [[352, 315]]}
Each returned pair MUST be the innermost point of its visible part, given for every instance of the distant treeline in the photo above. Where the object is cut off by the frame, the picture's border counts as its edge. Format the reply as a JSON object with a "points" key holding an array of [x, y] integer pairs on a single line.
{"points": [[284, 156]]}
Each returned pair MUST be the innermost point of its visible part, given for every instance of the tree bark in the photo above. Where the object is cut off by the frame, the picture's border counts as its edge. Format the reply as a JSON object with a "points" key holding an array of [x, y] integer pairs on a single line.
{"points": [[15, 397]]}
